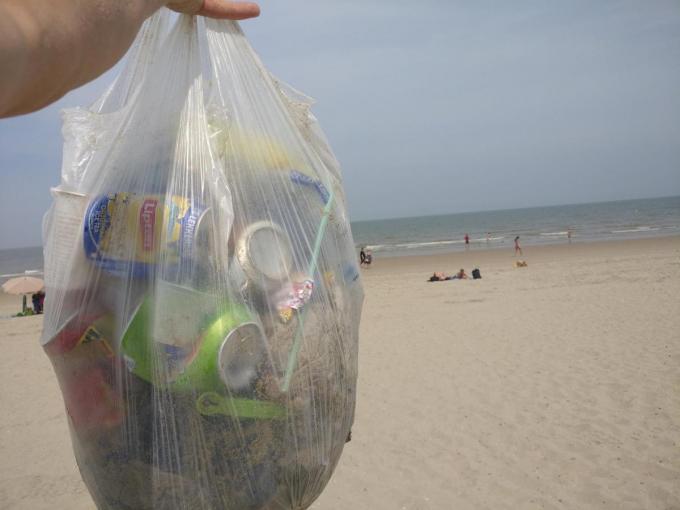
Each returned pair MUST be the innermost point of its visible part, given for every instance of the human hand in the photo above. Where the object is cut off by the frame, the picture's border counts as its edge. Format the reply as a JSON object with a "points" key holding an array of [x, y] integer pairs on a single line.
{"points": [[220, 9]]}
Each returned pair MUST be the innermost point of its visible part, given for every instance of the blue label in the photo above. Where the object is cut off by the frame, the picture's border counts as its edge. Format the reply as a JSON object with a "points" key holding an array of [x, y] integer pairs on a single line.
{"points": [[305, 180], [97, 222], [188, 232], [180, 253]]}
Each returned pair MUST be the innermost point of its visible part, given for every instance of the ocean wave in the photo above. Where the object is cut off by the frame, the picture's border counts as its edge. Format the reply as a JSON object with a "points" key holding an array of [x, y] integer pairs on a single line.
{"points": [[484, 239], [563, 233], [426, 244], [410, 246], [28, 272], [636, 229]]}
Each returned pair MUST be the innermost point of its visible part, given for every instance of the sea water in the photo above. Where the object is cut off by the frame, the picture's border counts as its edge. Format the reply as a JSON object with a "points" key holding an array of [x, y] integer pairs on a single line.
{"points": [[625, 219], [19, 260]]}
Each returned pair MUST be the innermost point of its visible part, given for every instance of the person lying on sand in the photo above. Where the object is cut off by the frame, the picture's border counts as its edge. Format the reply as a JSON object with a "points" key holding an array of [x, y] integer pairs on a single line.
{"points": [[439, 277]]}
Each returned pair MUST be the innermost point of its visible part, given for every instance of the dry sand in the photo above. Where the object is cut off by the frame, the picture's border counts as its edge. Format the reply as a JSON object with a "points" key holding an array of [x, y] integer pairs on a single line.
{"points": [[551, 386]]}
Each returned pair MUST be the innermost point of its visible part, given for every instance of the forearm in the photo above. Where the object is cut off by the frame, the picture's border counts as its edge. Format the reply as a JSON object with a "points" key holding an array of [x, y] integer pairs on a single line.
{"points": [[49, 47]]}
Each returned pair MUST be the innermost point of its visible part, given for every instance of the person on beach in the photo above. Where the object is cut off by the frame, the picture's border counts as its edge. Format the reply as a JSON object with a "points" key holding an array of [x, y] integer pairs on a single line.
{"points": [[36, 302], [467, 242], [569, 235], [438, 276], [518, 248], [362, 257], [50, 48]]}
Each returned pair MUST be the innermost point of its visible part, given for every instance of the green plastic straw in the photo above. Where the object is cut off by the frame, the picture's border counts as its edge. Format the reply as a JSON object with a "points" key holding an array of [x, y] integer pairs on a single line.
{"points": [[211, 404], [292, 357]]}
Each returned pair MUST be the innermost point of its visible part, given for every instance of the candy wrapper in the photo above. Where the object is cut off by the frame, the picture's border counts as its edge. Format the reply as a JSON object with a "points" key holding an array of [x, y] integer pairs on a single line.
{"points": [[203, 297]]}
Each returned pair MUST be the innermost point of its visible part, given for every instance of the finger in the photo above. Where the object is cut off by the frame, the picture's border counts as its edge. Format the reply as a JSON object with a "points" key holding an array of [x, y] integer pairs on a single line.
{"points": [[222, 9]]}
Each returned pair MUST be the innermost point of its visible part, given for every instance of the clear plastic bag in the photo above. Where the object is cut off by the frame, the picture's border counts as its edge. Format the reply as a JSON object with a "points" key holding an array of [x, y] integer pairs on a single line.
{"points": [[203, 297]]}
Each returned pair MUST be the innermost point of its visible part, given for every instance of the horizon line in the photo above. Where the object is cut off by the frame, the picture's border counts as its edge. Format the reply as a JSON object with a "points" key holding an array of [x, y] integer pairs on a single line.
{"points": [[513, 208], [451, 213]]}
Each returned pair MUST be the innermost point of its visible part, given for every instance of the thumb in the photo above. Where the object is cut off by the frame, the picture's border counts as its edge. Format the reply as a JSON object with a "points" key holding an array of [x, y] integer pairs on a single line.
{"points": [[220, 9]]}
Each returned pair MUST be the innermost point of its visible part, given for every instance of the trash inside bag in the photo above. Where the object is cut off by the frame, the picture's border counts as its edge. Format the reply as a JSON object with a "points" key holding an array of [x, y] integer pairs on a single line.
{"points": [[203, 294]]}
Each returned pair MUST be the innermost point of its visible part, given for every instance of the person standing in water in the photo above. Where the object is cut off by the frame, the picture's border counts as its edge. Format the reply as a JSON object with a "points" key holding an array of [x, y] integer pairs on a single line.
{"points": [[518, 248], [467, 242]]}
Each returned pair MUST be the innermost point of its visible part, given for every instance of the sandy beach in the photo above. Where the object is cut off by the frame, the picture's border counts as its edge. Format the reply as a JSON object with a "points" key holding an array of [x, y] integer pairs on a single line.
{"points": [[555, 386]]}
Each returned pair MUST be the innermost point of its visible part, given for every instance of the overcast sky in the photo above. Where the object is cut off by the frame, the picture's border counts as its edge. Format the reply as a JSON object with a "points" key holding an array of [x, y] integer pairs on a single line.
{"points": [[445, 106]]}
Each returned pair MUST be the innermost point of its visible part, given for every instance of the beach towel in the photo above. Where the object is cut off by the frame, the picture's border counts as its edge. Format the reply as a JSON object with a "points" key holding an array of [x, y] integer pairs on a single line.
{"points": [[203, 297]]}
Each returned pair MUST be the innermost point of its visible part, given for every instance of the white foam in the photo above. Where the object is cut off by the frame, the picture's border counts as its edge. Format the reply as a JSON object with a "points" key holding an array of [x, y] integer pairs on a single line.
{"points": [[427, 244], [411, 246], [637, 229], [27, 272], [490, 239]]}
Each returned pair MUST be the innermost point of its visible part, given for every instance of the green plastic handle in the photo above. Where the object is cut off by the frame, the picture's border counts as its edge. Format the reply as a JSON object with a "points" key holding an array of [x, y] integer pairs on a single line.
{"points": [[211, 404]]}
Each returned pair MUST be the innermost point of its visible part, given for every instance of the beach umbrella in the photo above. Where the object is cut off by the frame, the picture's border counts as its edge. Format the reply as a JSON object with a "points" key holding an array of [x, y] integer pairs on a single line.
{"points": [[23, 285]]}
